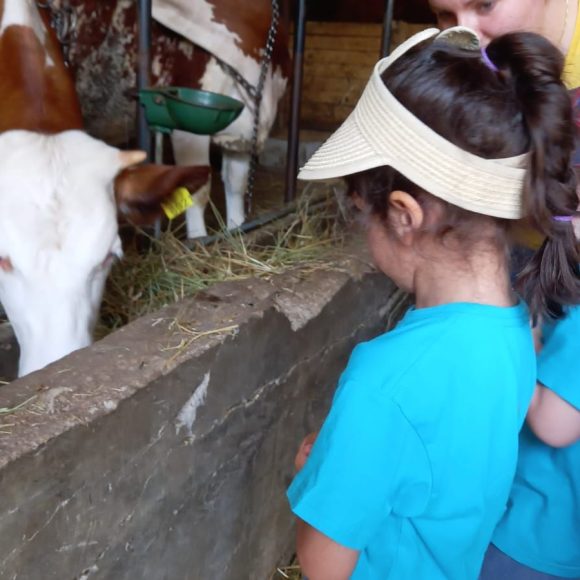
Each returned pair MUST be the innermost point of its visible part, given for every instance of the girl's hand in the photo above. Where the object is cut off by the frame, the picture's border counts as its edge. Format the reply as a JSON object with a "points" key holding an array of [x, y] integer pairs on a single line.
{"points": [[304, 450]]}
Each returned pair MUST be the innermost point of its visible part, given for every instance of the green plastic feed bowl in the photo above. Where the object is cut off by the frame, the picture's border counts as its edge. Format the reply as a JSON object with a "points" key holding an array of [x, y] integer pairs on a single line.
{"points": [[191, 110]]}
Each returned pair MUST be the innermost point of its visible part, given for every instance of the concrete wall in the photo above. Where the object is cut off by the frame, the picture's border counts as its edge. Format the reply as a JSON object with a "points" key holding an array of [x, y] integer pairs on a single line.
{"points": [[164, 450]]}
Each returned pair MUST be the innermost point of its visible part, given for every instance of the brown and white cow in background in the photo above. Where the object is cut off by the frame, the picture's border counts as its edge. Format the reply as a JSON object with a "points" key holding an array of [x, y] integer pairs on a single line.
{"points": [[188, 38], [59, 193]]}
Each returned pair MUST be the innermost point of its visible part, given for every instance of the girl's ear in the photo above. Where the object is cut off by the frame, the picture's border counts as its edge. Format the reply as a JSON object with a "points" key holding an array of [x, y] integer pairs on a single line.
{"points": [[406, 216]]}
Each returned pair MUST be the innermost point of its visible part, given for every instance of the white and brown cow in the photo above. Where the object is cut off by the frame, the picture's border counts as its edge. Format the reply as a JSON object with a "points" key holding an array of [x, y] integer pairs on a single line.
{"points": [[59, 194], [189, 38]]}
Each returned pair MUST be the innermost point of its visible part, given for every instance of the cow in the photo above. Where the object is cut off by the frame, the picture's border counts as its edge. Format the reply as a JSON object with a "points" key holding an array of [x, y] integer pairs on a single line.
{"points": [[196, 44], [60, 190]]}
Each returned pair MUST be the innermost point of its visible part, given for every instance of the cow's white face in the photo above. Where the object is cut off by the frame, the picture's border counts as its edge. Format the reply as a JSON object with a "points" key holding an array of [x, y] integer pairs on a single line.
{"points": [[58, 237]]}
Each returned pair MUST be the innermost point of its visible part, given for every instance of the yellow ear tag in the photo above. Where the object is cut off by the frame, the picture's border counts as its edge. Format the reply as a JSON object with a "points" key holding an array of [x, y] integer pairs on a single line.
{"points": [[177, 203]]}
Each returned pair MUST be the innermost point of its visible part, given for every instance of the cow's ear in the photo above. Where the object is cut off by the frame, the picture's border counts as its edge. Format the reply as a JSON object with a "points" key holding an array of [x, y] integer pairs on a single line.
{"points": [[130, 158], [140, 191]]}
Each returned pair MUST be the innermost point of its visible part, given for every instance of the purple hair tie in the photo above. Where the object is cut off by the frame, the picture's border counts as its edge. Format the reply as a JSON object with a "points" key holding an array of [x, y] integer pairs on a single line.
{"points": [[487, 61], [562, 218]]}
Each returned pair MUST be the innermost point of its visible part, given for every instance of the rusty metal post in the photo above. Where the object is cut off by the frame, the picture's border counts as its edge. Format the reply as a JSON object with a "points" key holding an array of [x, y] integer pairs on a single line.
{"points": [[387, 28], [294, 123], [143, 71]]}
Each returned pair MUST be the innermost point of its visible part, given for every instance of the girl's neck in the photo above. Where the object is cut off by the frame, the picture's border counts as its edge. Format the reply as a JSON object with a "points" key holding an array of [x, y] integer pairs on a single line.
{"points": [[484, 281]]}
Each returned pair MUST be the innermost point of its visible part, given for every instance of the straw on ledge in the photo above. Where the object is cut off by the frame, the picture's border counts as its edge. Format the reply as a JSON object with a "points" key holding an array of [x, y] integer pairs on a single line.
{"points": [[170, 271]]}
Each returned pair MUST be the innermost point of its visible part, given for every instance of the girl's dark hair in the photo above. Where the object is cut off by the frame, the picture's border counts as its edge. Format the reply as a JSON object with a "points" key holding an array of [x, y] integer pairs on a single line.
{"points": [[523, 108]]}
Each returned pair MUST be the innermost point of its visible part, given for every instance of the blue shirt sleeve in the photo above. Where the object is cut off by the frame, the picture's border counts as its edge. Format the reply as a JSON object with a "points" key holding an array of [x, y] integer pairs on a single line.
{"points": [[559, 359], [367, 463]]}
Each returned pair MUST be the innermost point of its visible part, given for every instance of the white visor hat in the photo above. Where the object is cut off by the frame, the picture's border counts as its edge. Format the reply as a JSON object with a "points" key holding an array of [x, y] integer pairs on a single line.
{"points": [[381, 131]]}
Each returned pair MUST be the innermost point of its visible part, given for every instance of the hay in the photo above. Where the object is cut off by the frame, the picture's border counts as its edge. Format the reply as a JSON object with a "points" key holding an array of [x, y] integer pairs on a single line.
{"points": [[10, 410], [288, 573], [192, 335], [169, 271]]}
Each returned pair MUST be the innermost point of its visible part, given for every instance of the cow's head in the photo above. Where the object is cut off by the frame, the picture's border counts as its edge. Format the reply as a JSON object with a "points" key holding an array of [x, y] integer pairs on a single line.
{"points": [[59, 233]]}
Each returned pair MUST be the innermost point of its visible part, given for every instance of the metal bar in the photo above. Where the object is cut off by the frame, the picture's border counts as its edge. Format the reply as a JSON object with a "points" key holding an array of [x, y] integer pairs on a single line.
{"points": [[246, 227], [158, 158], [262, 220], [143, 72], [294, 124], [387, 28]]}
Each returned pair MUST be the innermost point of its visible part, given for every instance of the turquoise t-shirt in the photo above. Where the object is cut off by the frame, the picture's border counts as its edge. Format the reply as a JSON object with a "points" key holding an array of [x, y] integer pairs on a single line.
{"points": [[541, 528], [414, 463]]}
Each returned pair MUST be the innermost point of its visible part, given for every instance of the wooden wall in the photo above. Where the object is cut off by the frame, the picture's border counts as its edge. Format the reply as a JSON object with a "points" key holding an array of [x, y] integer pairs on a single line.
{"points": [[367, 10], [338, 60]]}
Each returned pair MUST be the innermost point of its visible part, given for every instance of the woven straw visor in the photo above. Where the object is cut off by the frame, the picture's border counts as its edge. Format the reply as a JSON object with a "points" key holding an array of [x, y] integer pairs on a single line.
{"points": [[381, 131]]}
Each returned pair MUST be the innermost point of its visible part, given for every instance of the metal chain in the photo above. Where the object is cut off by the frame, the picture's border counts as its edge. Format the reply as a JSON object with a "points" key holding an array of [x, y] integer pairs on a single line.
{"points": [[255, 93], [63, 21], [248, 87]]}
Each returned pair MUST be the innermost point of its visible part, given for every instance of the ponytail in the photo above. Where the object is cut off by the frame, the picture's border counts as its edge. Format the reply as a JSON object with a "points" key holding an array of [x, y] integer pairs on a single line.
{"points": [[534, 67]]}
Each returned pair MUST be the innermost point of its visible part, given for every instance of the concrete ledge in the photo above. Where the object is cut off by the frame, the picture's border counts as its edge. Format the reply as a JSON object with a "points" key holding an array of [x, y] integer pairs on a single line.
{"points": [[164, 450]]}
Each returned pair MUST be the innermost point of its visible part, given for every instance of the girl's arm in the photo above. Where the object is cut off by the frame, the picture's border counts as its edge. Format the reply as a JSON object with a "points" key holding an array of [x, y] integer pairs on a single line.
{"points": [[321, 558], [552, 419]]}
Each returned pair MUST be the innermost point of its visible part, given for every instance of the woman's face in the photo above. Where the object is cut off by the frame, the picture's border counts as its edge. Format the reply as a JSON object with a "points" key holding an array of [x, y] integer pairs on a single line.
{"points": [[491, 18]]}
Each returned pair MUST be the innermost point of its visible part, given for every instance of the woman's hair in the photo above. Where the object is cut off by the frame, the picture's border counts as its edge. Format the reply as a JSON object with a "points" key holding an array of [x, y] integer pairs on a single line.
{"points": [[523, 108]]}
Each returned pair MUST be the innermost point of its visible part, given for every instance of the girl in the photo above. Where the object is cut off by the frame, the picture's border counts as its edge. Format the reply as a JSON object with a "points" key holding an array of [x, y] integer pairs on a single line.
{"points": [[412, 468], [539, 535]]}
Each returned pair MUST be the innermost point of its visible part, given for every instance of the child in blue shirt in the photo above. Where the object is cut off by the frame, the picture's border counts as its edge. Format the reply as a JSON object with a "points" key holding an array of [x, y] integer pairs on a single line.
{"points": [[539, 535], [446, 149]]}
